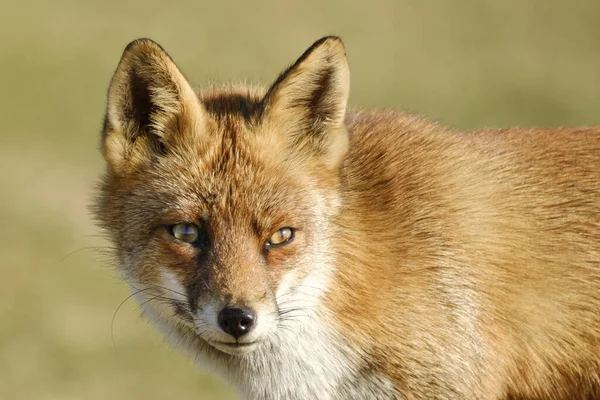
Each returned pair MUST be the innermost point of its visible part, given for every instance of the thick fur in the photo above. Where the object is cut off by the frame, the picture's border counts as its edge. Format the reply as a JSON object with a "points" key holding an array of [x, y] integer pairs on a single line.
{"points": [[427, 263]]}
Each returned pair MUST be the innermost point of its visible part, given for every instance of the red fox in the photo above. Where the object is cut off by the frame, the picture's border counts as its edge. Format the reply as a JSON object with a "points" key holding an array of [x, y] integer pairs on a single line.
{"points": [[305, 251]]}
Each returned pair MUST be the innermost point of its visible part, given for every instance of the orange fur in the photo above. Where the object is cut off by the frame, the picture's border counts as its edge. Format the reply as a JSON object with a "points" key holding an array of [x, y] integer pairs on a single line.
{"points": [[453, 265]]}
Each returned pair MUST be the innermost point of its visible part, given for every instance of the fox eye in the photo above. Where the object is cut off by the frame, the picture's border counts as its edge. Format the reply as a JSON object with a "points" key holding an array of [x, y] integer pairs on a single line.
{"points": [[185, 232], [280, 238]]}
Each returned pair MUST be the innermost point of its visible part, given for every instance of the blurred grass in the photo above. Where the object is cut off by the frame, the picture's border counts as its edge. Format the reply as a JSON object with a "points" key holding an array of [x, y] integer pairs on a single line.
{"points": [[468, 63]]}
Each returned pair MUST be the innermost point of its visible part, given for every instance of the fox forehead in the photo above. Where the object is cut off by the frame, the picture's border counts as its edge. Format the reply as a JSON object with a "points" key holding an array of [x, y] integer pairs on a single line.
{"points": [[236, 102], [241, 168]]}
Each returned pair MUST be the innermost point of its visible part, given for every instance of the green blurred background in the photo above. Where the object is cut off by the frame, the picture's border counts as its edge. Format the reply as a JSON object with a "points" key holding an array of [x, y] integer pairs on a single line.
{"points": [[467, 63]]}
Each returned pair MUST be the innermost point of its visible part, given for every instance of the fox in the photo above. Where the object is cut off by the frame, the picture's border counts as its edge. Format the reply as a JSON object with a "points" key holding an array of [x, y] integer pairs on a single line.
{"points": [[302, 249]]}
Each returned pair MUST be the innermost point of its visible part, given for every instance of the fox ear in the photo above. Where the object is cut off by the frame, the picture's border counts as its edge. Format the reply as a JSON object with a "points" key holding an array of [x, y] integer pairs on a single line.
{"points": [[307, 103], [150, 104]]}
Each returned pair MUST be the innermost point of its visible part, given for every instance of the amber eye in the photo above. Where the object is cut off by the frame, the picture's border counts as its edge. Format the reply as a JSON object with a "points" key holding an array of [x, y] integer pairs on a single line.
{"points": [[185, 232], [280, 238]]}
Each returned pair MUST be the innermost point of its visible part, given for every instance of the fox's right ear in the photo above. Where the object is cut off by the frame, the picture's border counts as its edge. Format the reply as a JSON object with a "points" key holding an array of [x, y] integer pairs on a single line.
{"points": [[150, 105]]}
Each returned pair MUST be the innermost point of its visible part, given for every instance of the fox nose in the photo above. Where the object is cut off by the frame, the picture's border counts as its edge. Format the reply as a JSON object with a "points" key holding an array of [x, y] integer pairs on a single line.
{"points": [[236, 321]]}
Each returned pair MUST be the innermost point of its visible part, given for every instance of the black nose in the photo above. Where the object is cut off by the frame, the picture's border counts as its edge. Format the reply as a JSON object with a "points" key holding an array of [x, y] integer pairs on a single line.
{"points": [[236, 321]]}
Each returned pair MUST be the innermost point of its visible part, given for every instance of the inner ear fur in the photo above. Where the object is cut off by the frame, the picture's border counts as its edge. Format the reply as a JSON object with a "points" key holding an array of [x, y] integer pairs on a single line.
{"points": [[150, 104], [307, 103]]}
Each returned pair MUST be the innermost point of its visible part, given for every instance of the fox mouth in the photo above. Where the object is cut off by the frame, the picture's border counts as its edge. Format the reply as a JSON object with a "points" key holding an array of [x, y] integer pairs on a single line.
{"points": [[235, 348], [237, 344]]}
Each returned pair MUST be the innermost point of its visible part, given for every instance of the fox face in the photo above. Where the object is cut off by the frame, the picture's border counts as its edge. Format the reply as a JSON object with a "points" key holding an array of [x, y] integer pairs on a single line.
{"points": [[219, 202]]}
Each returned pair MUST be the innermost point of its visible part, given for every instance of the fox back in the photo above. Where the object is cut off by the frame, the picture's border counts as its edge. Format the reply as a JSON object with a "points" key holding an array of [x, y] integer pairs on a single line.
{"points": [[301, 250]]}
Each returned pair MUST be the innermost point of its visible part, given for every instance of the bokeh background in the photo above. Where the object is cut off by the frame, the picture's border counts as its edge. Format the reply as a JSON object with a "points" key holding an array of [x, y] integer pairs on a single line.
{"points": [[467, 63]]}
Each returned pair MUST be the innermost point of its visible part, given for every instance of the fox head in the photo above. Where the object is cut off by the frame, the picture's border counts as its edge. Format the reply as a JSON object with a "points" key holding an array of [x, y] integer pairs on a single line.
{"points": [[220, 202]]}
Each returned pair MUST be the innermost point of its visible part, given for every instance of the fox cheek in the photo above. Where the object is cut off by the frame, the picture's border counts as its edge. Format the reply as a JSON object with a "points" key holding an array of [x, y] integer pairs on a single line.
{"points": [[281, 258]]}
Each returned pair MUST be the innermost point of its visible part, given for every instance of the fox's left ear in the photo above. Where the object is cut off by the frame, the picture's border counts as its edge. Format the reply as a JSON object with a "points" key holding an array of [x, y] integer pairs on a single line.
{"points": [[307, 103]]}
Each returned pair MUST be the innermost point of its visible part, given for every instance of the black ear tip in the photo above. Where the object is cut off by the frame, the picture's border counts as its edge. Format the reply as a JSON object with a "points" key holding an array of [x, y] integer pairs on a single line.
{"points": [[333, 38], [143, 45], [140, 42], [332, 43]]}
